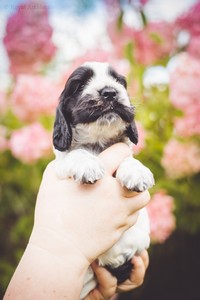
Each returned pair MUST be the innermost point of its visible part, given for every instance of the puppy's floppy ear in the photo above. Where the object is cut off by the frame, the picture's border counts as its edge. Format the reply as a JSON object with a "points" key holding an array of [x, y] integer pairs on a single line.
{"points": [[132, 133], [62, 133]]}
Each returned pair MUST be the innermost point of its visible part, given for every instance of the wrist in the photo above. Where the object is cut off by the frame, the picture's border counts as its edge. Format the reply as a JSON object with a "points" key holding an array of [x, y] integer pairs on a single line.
{"points": [[59, 246], [51, 268]]}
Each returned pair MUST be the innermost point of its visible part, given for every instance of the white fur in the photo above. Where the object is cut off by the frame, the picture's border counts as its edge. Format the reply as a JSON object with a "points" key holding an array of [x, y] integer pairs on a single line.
{"points": [[100, 131], [132, 242], [134, 175], [78, 164], [102, 79]]}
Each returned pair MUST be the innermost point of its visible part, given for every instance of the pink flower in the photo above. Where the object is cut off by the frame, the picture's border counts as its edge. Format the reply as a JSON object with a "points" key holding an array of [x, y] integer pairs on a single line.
{"points": [[3, 139], [194, 47], [190, 20], [34, 96], [184, 83], [162, 221], [141, 143], [30, 143], [181, 159], [153, 42], [119, 37], [28, 38], [189, 124], [143, 2], [184, 94], [3, 103]]}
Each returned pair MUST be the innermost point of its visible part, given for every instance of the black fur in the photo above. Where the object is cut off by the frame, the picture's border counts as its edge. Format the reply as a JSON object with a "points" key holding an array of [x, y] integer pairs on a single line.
{"points": [[121, 79], [122, 272], [62, 134], [88, 111]]}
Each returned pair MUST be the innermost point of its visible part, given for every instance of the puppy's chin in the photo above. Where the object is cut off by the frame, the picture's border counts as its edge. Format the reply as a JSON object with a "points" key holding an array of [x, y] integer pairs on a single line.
{"points": [[108, 119]]}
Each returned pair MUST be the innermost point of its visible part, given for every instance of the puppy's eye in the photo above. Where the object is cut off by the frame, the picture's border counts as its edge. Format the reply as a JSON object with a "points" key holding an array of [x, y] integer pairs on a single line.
{"points": [[122, 80], [119, 78]]}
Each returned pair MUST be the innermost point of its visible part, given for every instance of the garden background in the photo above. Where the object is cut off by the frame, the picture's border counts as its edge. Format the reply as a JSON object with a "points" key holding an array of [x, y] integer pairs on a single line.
{"points": [[156, 45]]}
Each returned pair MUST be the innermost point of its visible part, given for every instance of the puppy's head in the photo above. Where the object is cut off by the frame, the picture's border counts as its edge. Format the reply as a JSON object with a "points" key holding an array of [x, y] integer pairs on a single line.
{"points": [[94, 92]]}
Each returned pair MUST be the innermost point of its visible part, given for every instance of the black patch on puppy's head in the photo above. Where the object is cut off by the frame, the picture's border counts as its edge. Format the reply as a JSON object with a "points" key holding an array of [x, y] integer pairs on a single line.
{"points": [[119, 78], [62, 134]]}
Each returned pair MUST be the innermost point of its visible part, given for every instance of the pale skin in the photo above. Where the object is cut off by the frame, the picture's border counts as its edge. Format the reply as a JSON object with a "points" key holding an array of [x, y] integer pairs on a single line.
{"points": [[73, 225]]}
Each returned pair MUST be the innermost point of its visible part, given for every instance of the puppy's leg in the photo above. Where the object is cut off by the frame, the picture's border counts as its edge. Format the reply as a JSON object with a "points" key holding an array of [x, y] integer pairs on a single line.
{"points": [[89, 283], [79, 164], [133, 241], [134, 175]]}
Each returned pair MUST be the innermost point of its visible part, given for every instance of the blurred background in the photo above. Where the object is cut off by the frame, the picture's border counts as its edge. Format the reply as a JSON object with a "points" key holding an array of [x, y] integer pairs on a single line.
{"points": [[156, 45]]}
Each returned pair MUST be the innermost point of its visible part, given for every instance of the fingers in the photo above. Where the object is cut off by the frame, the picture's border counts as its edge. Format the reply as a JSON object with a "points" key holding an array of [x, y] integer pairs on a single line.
{"points": [[132, 219], [137, 201], [145, 257], [113, 156], [107, 283], [140, 264]]}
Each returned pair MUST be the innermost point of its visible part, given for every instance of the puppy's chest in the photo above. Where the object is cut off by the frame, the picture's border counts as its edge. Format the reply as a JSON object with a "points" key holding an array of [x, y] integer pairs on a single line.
{"points": [[96, 137]]}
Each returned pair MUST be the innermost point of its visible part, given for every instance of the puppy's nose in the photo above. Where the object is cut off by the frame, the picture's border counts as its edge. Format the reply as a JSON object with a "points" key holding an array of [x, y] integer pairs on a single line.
{"points": [[108, 93]]}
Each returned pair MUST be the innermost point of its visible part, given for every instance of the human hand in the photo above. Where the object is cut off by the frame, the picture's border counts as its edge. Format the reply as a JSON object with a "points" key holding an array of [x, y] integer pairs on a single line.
{"points": [[140, 265], [74, 224], [107, 283], [87, 219]]}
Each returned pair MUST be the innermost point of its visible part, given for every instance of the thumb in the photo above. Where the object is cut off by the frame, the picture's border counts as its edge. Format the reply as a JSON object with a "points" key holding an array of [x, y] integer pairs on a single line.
{"points": [[114, 155]]}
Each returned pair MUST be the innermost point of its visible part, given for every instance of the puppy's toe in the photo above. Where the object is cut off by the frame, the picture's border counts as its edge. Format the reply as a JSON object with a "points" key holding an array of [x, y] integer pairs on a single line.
{"points": [[86, 180]]}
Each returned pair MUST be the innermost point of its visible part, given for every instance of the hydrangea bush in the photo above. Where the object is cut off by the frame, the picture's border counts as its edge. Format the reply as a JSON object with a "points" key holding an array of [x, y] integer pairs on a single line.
{"points": [[167, 113]]}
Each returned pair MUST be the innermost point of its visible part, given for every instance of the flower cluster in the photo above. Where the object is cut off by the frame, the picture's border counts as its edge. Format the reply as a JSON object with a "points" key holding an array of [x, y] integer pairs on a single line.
{"points": [[30, 143], [150, 44], [184, 94], [28, 41], [153, 42], [34, 96], [189, 21], [162, 220], [181, 159], [28, 38]]}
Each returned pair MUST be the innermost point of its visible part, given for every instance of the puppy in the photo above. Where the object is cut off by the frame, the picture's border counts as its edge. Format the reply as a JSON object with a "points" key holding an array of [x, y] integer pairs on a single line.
{"points": [[94, 113]]}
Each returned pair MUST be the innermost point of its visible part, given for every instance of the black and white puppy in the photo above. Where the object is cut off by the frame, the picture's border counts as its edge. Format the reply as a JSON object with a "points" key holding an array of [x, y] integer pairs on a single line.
{"points": [[94, 113]]}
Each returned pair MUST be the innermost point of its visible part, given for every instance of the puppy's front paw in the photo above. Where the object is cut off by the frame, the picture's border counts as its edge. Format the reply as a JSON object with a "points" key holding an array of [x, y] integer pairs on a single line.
{"points": [[79, 164], [134, 175], [88, 171]]}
